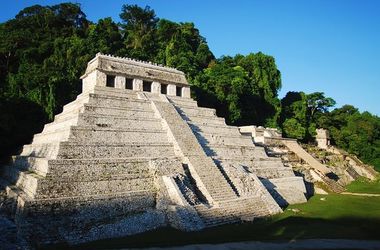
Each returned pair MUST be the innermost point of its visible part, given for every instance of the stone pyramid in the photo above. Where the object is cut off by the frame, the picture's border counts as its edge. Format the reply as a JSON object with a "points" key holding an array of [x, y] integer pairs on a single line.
{"points": [[133, 153]]}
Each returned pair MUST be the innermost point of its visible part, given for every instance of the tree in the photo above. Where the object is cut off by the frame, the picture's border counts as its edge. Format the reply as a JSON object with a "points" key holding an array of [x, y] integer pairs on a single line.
{"points": [[242, 88], [105, 37], [317, 102], [355, 132], [306, 109], [182, 47], [139, 27]]}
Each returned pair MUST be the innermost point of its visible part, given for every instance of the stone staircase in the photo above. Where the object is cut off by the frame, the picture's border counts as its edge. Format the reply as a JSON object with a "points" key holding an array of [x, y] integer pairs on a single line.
{"points": [[223, 202], [229, 148], [209, 176], [352, 172]]}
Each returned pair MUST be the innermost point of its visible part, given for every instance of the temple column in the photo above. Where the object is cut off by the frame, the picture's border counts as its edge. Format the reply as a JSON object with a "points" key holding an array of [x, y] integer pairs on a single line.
{"points": [[185, 92], [120, 82], [137, 84], [171, 90], [156, 87]]}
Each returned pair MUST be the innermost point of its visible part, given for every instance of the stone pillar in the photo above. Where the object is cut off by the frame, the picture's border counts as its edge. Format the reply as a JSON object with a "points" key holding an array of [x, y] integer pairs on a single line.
{"points": [[156, 88], [171, 90], [101, 78], [95, 78], [137, 84], [186, 92], [120, 82], [323, 138]]}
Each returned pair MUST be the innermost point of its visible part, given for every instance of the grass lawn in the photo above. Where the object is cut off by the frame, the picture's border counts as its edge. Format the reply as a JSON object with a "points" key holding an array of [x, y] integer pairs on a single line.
{"points": [[364, 186], [323, 216]]}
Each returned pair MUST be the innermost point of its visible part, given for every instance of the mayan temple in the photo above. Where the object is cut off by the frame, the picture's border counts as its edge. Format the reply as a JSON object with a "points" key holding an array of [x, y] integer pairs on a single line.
{"points": [[133, 153]]}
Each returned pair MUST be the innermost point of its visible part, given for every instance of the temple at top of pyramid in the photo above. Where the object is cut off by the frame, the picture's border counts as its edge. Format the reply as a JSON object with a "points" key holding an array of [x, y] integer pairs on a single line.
{"points": [[133, 153], [126, 73]]}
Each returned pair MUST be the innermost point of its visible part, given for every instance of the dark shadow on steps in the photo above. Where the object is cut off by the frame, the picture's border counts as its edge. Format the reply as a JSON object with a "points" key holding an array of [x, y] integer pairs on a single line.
{"points": [[193, 183], [332, 176]]}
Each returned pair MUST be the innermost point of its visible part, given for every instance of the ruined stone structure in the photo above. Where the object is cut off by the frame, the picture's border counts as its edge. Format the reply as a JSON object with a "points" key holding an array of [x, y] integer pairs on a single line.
{"points": [[133, 153], [323, 164], [322, 138]]}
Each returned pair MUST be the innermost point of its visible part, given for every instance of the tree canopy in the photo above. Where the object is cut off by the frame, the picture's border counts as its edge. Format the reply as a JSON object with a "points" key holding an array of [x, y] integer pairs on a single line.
{"points": [[45, 49]]}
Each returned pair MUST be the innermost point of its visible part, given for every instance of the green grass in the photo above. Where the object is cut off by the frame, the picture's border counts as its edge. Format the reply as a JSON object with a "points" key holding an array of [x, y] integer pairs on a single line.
{"points": [[364, 186], [330, 216]]}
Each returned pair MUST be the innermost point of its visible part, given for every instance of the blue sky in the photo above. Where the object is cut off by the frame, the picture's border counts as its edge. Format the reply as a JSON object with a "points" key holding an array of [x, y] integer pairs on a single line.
{"points": [[332, 46]]}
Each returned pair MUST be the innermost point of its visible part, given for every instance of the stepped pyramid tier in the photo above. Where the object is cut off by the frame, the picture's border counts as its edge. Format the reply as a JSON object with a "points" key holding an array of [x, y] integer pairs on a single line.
{"points": [[133, 153]]}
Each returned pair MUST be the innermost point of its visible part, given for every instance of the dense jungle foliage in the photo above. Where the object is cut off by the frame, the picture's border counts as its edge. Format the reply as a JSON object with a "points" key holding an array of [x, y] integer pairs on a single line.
{"points": [[45, 49]]}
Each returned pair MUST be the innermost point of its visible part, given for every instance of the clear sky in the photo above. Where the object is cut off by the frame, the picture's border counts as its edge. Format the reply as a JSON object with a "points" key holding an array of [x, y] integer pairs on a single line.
{"points": [[332, 46]]}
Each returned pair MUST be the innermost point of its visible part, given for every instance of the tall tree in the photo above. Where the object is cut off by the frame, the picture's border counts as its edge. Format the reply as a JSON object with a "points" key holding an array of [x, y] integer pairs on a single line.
{"points": [[139, 27], [300, 113], [105, 37], [242, 88]]}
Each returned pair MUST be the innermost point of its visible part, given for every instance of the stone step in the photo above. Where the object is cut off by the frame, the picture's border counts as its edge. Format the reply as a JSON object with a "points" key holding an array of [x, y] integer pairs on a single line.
{"points": [[127, 93], [71, 114], [55, 125], [33, 164], [25, 180], [233, 210], [180, 98], [120, 203], [79, 101], [273, 172], [215, 129], [70, 150], [61, 134], [211, 140], [59, 189], [115, 101], [183, 102], [37, 187], [196, 111], [230, 151], [251, 162], [262, 168], [116, 135], [119, 122], [43, 150], [87, 169], [204, 120], [14, 192], [222, 197], [117, 111]]}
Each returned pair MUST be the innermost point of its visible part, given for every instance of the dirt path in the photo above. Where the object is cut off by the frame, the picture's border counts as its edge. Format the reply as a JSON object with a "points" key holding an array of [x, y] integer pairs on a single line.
{"points": [[361, 194]]}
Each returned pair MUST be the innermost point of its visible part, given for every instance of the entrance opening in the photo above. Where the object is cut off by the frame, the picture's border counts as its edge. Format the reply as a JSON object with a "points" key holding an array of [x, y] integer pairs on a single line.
{"points": [[164, 89], [110, 81], [147, 86], [178, 91], [128, 83]]}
